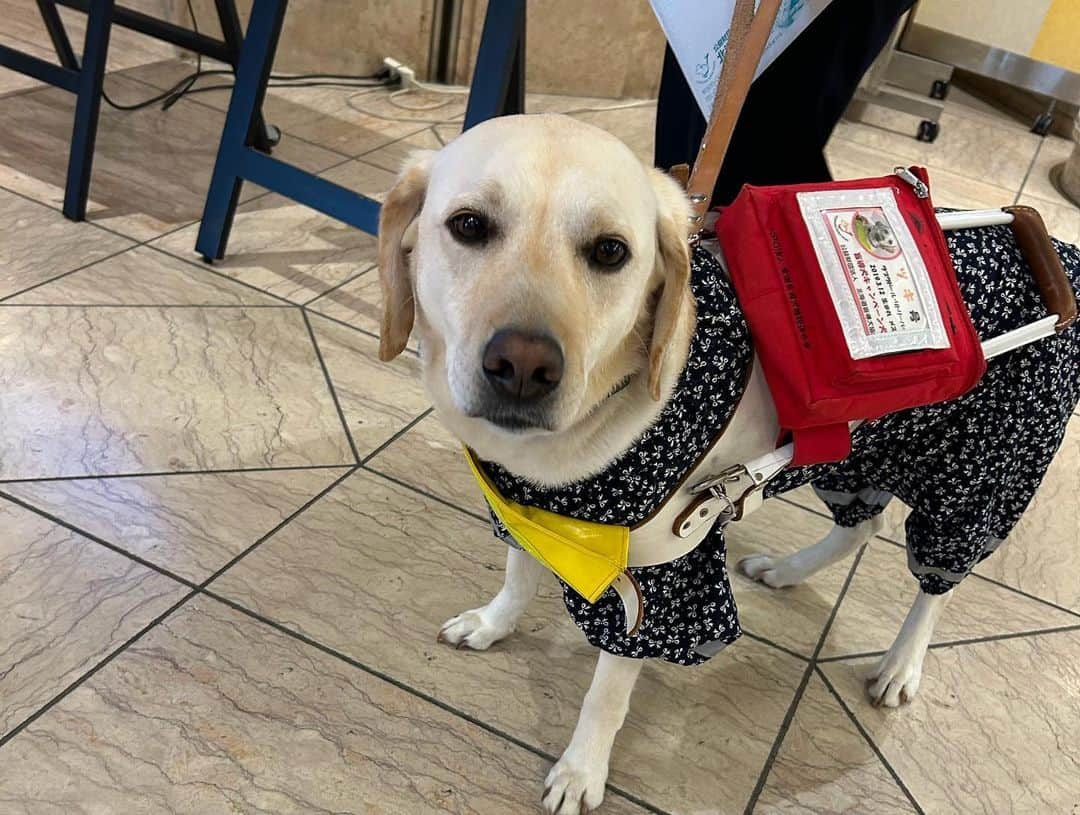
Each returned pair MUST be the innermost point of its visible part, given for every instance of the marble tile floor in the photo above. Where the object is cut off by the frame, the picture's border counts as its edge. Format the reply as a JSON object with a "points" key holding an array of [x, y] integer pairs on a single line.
{"points": [[228, 533]]}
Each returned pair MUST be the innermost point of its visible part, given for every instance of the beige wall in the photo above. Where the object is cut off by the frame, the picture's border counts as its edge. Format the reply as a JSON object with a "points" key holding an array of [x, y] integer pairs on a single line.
{"points": [[606, 48], [603, 48], [337, 36], [1010, 24]]}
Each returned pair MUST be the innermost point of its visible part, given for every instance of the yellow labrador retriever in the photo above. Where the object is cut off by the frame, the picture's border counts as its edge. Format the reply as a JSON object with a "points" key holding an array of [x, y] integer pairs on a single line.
{"points": [[546, 271]]}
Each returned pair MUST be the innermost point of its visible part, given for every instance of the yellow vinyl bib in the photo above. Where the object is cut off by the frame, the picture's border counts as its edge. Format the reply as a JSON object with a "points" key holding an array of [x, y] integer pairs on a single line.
{"points": [[588, 556]]}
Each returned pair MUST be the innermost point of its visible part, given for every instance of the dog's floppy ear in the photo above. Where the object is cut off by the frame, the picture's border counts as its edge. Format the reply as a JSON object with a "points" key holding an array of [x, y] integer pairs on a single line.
{"points": [[397, 236], [673, 264]]}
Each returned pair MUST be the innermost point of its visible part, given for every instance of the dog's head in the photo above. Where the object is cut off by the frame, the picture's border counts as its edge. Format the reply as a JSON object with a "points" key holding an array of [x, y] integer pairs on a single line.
{"points": [[543, 265]]}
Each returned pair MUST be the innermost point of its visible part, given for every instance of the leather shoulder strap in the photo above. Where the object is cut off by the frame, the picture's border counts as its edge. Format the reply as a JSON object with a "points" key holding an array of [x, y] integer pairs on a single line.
{"points": [[746, 42]]}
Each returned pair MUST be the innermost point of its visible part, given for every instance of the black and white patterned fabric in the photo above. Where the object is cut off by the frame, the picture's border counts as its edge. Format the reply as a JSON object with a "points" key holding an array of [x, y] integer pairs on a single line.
{"points": [[968, 468]]}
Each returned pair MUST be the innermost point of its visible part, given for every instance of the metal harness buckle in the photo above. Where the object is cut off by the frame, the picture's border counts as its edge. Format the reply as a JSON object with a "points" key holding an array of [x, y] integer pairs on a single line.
{"points": [[731, 494]]}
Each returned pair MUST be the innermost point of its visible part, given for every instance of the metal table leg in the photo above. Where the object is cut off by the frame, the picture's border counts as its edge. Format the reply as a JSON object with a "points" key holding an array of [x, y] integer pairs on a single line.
{"points": [[229, 20], [498, 85], [58, 34], [87, 105], [252, 74]]}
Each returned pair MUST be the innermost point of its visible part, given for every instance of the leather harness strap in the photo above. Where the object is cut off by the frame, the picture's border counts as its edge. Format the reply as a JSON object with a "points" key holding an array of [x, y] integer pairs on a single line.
{"points": [[746, 42]]}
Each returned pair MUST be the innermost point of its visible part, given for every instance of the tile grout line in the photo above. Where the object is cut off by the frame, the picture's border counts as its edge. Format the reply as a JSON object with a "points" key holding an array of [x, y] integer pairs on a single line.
{"points": [[872, 744], [45, 708], [309, 142], [1039, 632], [135, 241], [148, 242], [893, 542], [330, 386], [32, 44], [998, 583], [420, 491], [277, 527], [360, 156], [168, 473], [209, 267], [161, 569], [778, 740], [412, 423], [766, 641], [337, 286], [135, 244], [1031, 166], [405, 687], [201, 589], [789, 717], [358, 329], [197, 590], [910, 159], [17, 92], [1016, 635], [19, 502], [847, 657], [150, 305], [64, 274]]}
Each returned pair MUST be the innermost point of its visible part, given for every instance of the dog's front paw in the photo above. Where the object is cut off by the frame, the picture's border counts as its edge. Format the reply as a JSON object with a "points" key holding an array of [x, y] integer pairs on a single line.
{"points": [[574, 786], [773, 572], [474, 629], [895, 680]]}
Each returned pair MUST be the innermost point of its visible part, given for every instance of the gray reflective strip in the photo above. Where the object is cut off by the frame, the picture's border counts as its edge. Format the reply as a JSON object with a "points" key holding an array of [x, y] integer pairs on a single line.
{"points": [[711, 649], [917, 568], [868, 496], [953, 577]]}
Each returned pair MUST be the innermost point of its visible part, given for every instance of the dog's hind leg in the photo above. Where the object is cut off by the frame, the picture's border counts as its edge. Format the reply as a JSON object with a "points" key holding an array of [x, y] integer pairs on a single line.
{"points": [[793, 569], [482, 627], [576, 782], [895, 679]]}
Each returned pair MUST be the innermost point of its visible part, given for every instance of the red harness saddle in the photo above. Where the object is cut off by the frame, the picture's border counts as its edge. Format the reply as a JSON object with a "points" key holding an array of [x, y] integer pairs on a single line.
{"points": [[852, 301]]}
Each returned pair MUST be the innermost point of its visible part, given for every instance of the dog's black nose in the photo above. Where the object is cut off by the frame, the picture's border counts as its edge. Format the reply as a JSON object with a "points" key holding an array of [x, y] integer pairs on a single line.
{"points": [[523, 366]]}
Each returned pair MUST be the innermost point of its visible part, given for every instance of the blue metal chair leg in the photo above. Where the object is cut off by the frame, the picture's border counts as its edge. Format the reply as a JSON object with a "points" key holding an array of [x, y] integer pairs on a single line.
{"points": [[87, 105], [498, 86], [58, 34], [252, 74], [233, 34]]}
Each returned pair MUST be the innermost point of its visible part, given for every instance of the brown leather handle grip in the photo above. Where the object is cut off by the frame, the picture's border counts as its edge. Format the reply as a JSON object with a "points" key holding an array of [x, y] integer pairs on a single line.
{"points": [[747, 38], [1038, 250]]}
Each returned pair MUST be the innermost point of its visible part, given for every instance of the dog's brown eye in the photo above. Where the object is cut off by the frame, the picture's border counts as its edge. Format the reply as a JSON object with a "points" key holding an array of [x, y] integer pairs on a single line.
{"points": [[468, 227], [609, 253]]}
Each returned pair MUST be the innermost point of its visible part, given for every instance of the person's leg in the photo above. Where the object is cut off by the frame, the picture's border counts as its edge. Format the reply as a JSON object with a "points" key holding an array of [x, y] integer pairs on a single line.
{"points": [[792, 108]]}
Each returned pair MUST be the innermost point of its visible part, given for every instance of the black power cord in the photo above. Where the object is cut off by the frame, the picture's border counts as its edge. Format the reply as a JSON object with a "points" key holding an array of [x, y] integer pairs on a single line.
{"points": [[186, 85]]}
